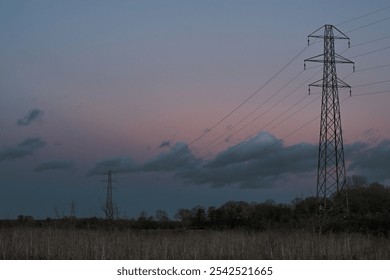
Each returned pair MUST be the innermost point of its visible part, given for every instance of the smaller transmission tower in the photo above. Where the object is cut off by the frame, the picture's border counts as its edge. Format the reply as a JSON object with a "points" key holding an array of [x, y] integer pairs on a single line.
{"points": [[331, 176], [109, 208], [73, 209]]}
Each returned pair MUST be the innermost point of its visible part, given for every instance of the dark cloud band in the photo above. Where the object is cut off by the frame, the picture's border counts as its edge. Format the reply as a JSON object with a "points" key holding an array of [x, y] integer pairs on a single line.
{"points": [[259, 162]]}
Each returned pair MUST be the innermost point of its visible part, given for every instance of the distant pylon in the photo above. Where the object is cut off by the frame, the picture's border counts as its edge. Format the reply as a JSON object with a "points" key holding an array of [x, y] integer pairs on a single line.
{"points": [[109, 209], [331, 175], [73, 209]]}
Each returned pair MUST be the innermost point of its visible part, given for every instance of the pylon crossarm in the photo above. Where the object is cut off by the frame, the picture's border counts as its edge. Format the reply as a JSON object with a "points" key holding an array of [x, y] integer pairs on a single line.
{"points": [[316, 83], [338, 37], [320, 58], [342, 59], [314, 58], [317, 58], [342, 84], [315, 36]]}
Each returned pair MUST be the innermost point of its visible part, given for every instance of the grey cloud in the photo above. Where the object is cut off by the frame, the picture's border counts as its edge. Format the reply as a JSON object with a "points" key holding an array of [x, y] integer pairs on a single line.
{"points": [[255, 163], [260, 162], [33, 115], [21, 150], [248, 150], [263, 161], [177, 158], [354, 148], [117, 165], [372, 161], [54, 165]]}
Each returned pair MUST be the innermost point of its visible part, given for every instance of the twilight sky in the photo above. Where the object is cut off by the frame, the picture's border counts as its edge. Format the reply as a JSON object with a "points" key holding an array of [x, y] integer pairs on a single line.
{"points": [[155, 91]]}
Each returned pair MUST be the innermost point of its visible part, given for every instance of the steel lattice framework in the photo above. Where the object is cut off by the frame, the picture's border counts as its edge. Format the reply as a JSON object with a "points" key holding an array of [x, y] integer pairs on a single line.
{"points": [[109, 209], [331, 175]]}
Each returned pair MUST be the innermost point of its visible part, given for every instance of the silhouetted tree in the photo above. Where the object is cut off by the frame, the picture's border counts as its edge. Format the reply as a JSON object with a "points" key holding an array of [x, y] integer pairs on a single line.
{"points": [[199, 217], [161, 216], [184, 216], [356, 181]]}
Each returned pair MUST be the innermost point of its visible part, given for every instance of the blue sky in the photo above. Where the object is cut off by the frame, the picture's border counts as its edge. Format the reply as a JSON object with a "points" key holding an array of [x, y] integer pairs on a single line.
{"points": [[128, 85]]}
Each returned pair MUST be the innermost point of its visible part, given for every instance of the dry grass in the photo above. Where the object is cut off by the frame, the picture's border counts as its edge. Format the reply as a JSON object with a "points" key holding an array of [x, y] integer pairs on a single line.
{"points": [[50, 243]]}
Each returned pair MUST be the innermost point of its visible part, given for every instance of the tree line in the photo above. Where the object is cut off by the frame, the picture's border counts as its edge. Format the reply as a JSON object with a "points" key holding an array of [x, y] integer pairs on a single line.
{"points": [[369, 212]]}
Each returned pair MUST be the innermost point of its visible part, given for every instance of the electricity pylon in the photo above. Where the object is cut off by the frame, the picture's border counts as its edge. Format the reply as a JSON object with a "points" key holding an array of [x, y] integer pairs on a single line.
{"points": [[109, 209], [331, 175], [73, 209]]}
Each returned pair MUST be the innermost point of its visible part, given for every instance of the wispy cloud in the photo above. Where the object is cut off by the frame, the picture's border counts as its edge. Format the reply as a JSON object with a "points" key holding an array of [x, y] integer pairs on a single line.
{"points": [[21, 150], [54, 165], [32, 116], [165, 144]]}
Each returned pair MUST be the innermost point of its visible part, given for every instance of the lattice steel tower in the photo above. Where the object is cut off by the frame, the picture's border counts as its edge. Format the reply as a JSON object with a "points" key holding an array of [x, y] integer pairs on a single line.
{"points": [[331, 175], [109, 209]]}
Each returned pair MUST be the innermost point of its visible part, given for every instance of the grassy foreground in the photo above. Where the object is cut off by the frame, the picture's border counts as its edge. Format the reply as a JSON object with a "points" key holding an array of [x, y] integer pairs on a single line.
{"points": [[51, 243]]}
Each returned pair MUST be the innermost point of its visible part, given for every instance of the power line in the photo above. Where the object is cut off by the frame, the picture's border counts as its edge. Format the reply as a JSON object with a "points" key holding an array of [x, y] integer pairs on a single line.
{"points": [[240, 145], [270, 122], [373, 68], [247, 99], [371, 93], [374, 40], [207, 147], [244, 118], [364, 15], [307, 123], [369, 24], [251, 138], [299, 110], [371, 41], [371, 52], [261, 130], [226, 132], [274, 119], [258, 90], [260, 115], [374, 83], [310, 102], [367, 69], [282, 69]]}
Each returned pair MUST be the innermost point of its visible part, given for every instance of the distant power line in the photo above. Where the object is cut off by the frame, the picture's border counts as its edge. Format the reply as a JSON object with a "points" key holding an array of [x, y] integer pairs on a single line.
{"points": [[371, 41], [373, 68], [369, 24], [374, 83], [364, 15], [372, 93], [370, 52]]}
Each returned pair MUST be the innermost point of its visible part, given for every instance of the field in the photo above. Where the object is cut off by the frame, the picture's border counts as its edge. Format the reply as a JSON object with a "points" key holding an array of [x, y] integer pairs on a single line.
{"points": [[63, 244]]}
